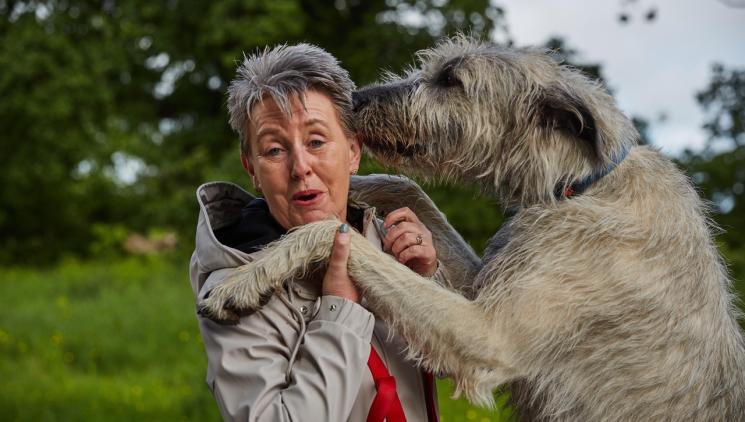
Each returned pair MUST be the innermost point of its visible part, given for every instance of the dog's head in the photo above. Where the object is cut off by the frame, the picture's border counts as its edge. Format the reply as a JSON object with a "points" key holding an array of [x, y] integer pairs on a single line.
{"points": [[513, 120]]}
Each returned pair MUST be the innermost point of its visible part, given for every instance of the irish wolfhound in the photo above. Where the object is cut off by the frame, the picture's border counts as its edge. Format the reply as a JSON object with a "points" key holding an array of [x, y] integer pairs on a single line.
{"points": [[603, 297]]}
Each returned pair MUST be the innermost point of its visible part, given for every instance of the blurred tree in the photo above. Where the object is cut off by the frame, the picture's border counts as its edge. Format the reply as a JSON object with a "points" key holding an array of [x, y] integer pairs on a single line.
{"points": [[60, 88], [642, 125], [724, 101], [719, 170], [113, 112]]}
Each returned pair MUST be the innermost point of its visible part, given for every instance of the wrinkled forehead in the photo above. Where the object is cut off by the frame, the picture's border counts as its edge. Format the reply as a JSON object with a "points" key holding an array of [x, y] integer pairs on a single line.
{"points": [[312, 100], [280, 104], [298, 110]]}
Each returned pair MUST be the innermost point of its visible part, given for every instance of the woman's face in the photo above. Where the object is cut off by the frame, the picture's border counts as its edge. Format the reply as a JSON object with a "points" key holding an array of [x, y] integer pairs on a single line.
{"points": [[302, 163]]}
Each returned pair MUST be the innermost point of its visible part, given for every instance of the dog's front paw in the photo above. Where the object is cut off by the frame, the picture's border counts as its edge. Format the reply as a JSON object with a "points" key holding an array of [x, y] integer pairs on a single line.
{"points": [[237, 296]]}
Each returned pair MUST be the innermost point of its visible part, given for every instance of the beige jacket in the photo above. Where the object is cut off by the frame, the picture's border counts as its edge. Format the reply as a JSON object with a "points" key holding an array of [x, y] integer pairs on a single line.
{"points": [[302, 357]]}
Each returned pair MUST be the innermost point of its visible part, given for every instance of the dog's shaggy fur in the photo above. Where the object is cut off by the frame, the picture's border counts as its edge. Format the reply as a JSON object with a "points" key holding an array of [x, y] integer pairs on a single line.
{"points": [[612, 304]]}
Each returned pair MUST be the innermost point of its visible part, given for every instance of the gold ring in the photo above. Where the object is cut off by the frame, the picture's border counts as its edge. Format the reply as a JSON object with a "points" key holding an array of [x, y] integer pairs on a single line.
{"points": [[419, 239]]}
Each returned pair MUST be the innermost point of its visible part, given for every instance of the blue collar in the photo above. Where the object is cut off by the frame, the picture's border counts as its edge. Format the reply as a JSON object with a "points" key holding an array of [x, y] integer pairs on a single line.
{"points": [[576, 188]]}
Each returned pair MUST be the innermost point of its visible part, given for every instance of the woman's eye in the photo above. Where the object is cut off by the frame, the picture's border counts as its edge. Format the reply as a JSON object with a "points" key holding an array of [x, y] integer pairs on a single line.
{"points": [[273, 152], [316, 143]]}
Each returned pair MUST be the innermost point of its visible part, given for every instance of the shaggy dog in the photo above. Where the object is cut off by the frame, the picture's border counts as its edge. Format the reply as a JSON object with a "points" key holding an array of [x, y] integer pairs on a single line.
{"points": [[602, 298]]}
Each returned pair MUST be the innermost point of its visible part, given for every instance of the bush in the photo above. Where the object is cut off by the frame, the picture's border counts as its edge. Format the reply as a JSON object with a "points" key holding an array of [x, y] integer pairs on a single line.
{"points": [[116, 341]]}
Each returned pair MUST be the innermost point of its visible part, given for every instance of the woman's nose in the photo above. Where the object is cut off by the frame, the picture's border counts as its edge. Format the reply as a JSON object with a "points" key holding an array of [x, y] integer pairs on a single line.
{"points": [[300, 164]]}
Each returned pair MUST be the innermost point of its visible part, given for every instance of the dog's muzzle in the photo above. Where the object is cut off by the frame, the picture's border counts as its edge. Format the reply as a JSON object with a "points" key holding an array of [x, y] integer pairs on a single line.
{"points": [[380, 94]]}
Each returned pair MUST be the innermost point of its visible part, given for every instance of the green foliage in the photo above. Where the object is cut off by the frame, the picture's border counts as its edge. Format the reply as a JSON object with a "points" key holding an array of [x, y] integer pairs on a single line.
{"points": [[107, 240], [461, 411], [56, 91], [113, 112], [117, 341], [109, 341], [719, 170], [720, 177], [724, 100]]}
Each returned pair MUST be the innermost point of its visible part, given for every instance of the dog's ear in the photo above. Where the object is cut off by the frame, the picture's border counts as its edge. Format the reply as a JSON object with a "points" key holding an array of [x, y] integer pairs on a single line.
{"points": [[560, 110]]}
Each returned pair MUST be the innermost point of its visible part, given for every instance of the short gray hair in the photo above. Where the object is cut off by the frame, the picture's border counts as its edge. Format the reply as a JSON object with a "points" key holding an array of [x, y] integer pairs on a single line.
{"points": [[282, 72]]}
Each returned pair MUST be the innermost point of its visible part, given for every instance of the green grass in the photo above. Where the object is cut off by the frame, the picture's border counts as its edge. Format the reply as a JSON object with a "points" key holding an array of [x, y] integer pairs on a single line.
{"points": [[116, 341]]}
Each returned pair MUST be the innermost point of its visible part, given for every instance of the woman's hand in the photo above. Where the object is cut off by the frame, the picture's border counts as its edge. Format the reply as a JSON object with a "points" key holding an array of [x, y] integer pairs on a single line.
{"points": [[410, 242], [336, 281]]}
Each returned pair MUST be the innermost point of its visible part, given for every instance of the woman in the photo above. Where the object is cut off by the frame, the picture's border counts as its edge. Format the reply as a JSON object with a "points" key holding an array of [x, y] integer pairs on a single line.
{"points": [[312, 352]]}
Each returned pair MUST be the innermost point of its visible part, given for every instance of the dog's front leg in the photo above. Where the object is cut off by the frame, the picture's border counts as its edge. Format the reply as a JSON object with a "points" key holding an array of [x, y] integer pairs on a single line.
{"points": [[444, 331], [246, 289]]}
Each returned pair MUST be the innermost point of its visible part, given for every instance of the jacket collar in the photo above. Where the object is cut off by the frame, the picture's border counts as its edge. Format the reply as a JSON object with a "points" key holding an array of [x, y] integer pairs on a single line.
{"points": [[220, 205]]}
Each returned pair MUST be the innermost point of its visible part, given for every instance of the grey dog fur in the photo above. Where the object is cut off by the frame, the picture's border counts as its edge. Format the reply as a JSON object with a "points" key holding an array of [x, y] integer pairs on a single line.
{"points": [[612, 305]]}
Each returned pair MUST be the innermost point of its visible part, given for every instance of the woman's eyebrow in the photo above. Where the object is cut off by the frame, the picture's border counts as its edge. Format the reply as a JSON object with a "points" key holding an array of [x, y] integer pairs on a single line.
{"points": [[314, 120], [267, 131]]}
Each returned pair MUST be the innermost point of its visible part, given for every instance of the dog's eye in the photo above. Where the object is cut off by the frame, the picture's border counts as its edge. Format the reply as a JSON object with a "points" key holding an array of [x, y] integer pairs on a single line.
{"points": [[447, 79]]}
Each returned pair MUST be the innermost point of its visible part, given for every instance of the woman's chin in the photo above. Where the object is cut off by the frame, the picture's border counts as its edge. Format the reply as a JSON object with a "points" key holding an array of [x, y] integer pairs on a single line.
{"points": [[311, 216]]}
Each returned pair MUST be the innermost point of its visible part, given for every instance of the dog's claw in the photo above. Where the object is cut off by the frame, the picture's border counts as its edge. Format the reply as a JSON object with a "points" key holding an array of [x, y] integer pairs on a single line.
{"points": [[226, 304], [221, 311], [229, 311], [225, 317], [229, 305]]}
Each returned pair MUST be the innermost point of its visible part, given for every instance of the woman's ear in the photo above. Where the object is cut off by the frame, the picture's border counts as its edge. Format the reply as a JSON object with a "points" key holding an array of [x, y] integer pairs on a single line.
{"points": [[355, 151], [248, 166]]}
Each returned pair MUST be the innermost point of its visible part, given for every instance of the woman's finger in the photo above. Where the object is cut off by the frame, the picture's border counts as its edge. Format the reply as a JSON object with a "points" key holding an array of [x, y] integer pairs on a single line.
{"points": [[399, 215], [399, 230], [340, 251], [336, 281], [406, 240], [409, 241]]}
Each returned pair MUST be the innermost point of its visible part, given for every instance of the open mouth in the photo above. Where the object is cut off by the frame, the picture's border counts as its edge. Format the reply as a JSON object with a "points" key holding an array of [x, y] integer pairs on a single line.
{"points": [[306, 197]]}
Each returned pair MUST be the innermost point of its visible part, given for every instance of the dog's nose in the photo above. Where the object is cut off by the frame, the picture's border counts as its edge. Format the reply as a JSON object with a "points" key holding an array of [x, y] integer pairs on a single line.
{"points": [[359, 101]]}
